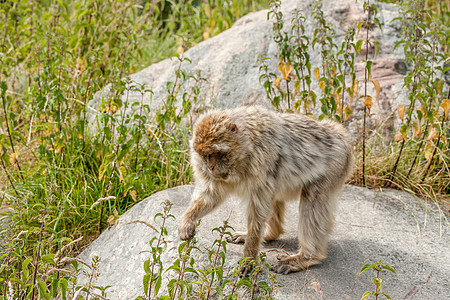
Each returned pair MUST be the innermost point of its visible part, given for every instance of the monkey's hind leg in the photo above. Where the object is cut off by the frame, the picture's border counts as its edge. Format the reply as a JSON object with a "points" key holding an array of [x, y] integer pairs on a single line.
{"points": [[274, 227], [316, 218]]}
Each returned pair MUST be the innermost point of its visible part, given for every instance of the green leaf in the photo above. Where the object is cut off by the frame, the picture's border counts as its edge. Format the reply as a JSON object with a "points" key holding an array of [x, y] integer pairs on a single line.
{"points": [[246, 282], [147, 266], [359, 27], [146, 282], [404, 130], [376, 44], [365, 295], [366, 267], [43, 290], [315, 40], [325, 110], [378, 23], [377, 282], [386, 267], [158, 284], [54, 286], [375, 9], [219, 292], [63, 284], [48, 258], [369, 67], [219, 273], [358, 46], [3, 87], [190, 270], [25, 264]]}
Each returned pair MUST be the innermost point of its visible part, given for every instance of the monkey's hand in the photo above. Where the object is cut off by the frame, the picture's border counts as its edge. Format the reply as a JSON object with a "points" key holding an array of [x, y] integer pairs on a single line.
{"points": [[186, 230], [237, 237]]}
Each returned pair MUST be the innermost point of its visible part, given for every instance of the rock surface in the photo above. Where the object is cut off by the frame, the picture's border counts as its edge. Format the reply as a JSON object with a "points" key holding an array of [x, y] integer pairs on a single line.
{"points": [[229, 60], [395, 227]]}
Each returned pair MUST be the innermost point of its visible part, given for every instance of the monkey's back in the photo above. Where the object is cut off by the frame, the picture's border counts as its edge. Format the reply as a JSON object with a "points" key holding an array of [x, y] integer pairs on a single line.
{"points": [[294, 150]]}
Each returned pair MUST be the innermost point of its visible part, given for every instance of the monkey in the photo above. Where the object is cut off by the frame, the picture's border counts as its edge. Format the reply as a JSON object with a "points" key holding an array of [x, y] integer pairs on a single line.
{"points": [[267, 158]]}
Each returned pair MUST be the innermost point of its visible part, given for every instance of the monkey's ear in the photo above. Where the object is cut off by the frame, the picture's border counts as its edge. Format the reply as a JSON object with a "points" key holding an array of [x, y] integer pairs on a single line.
{"points": [[232, 127]]}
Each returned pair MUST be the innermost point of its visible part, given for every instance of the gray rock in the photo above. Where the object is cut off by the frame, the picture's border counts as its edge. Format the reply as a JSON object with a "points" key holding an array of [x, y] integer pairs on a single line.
{"points": [[403, 231], [229, 61]]}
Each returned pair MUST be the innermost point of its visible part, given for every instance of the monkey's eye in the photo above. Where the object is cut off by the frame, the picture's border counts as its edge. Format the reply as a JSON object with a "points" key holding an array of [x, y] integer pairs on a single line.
{"points": [[222, 156]]}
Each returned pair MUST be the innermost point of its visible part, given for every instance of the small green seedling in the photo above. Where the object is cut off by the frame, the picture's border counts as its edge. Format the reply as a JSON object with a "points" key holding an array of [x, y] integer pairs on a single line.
{"points": [[377, 267]]}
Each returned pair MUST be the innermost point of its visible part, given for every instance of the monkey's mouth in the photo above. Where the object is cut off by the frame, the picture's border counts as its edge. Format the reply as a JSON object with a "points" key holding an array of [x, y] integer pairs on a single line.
{"points": [[218, 176]]}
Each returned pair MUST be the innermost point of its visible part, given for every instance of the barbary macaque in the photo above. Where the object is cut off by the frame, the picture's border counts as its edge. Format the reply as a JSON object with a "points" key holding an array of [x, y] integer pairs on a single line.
{"points": [[267, 158]]}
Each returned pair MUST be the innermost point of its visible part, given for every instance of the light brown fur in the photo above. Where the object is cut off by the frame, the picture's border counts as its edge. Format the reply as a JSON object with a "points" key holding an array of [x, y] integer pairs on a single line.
{"points": [[268, 158]]}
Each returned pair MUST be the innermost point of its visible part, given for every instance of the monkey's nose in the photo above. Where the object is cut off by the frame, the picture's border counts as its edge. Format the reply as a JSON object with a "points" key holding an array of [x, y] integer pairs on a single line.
{"points": [[214, 171]]}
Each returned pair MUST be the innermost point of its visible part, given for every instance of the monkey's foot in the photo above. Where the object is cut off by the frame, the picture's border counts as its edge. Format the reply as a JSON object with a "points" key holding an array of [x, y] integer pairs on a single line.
{"points": [[293, 263], [237, 237], [246, 270], [186, 230]]}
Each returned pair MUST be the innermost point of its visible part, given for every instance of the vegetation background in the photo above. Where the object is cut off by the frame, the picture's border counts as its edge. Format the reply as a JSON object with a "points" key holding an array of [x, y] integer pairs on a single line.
{"points": [[62, 184]]}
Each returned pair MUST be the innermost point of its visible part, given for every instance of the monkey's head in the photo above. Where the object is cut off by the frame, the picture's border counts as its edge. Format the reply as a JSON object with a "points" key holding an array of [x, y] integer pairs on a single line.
{"points": [[216, 145]]}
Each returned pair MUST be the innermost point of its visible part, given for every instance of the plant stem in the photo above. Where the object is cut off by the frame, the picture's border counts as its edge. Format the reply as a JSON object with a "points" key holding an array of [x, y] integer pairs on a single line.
{"points": [[434, 151], [376, 286], [9, 177], [181, 274], [342, 100], [417, 153], [415, 159], [215, 264], [158, 244], [38, 252], [288, 96], [139, 131], [365, 96], [411, 108], [10, 137]]}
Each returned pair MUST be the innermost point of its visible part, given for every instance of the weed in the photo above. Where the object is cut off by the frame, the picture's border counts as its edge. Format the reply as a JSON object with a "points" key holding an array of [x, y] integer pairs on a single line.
{"points": [[378, 268]]}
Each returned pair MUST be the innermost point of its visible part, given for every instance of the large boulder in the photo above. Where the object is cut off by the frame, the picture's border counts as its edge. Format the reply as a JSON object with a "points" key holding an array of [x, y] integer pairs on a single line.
{"points": [[403, 231], [229, 60]]}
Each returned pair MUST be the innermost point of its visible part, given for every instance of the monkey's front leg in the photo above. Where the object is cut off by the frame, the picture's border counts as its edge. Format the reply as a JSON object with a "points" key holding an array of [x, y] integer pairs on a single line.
{"points": [[186, 228], [201, 206], [257, 213]]}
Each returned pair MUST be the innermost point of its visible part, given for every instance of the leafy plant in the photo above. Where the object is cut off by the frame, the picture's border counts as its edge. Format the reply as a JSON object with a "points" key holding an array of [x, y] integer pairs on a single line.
{"points": [[328, 82], [422, 122], [377, 281], [368, 24], [153, 267], [293, 64]]}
